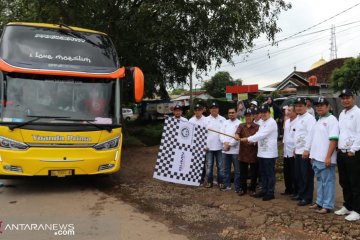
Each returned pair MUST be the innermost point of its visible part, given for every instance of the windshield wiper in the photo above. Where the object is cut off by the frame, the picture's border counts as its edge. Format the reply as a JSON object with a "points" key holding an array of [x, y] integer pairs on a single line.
{"points": [[89, 121], [77, 34], [35, 119]]}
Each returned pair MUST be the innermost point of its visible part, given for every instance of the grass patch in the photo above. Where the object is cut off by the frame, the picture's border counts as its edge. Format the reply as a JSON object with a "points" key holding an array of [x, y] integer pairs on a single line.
{"points": [[146, 133]]}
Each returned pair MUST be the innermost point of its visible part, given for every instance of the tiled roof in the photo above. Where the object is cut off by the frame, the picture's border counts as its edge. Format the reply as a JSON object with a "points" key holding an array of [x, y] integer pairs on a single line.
{"points": [[323, 72]]}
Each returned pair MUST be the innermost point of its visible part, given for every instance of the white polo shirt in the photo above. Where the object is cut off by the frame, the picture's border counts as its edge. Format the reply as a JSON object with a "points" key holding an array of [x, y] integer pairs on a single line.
{"points": [[259, 122], [266, 137], [289, 137], [349, 124], [325, 129], [213, 139], [230, 127], [303, 127], [198, 121], [181, 119]]}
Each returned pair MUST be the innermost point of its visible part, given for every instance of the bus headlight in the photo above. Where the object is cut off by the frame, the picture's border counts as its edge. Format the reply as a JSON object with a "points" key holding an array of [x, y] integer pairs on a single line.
{"points": [[113, 143], [7, 143]]}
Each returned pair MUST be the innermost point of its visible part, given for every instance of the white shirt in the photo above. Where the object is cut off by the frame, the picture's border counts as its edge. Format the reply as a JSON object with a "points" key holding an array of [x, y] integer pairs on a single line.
{"points": [[267, 139], [311, 111], [349, 124], [230, 127], [289, 137], [213, 139], [325, 129], [199, 121], [303, 127], [259, 122], [181, 119]]}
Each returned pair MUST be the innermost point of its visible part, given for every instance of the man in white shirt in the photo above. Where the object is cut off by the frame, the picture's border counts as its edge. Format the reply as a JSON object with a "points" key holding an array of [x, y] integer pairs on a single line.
{"points": [[266, 138], [257, 117], [177, 111], [230, 151], [323, 156], [309, 107], [349, 156], [213, 146], [304, 173], [289, 145], [198, 118]]}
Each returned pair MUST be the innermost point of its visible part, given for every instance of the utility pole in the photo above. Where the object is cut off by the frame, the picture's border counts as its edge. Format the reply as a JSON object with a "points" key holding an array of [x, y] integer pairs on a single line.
{"points": [[333, 47]]}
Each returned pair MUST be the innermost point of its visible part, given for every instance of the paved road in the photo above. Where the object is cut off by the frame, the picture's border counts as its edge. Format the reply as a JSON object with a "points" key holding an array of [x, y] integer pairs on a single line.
{"points": [[44, 208]]}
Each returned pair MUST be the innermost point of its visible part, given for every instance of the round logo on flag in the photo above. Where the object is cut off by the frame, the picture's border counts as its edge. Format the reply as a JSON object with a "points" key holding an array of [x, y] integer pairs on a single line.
{"points": [[185, 132]]}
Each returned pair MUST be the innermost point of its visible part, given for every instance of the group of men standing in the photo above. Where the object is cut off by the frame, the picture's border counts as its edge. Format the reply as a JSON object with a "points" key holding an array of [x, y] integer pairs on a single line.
{"points": [[311, 148]]}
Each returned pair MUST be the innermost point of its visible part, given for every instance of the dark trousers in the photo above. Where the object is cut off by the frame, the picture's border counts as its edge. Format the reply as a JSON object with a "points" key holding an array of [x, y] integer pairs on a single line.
{"points": [[304, 178], [289, 175], [349, 179], [244, 175], [267, 173]]}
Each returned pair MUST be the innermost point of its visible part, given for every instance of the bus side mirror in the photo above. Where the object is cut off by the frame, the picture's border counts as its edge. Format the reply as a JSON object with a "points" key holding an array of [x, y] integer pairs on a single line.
{"points": [[138, 78]]}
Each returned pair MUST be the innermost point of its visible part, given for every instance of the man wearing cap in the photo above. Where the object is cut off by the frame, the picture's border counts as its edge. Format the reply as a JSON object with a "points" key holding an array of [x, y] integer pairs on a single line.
{"points": [[198, 118], [267, 153], [230, 151], [257, 117], [214, 146], [289, 144], [348, 159], [177, 111], [304, 173], [323, 156], [248, 153]]}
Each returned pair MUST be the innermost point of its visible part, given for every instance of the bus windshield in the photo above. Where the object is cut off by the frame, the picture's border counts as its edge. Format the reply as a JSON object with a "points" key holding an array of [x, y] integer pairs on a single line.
{"points": [[54, 98], [60, 49]]}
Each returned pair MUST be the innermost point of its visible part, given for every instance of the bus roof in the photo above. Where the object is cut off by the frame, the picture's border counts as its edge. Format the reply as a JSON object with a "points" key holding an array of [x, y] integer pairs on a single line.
{"points": [[49, 25]]}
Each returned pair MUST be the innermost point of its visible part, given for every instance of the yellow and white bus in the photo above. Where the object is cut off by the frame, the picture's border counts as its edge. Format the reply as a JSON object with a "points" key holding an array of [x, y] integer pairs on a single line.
{"points": [[60, 101]]}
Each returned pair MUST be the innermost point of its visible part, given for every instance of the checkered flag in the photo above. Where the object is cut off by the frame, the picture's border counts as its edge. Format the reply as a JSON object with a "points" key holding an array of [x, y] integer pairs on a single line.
{"points": [[181, 155]]}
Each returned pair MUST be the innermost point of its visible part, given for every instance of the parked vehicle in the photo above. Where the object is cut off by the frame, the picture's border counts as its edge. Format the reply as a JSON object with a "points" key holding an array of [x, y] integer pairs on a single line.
{"points": [[127, 114]]}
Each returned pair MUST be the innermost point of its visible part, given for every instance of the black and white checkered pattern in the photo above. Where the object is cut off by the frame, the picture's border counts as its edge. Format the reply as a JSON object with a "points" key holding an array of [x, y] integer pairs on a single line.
{"points": [[163, 167]]}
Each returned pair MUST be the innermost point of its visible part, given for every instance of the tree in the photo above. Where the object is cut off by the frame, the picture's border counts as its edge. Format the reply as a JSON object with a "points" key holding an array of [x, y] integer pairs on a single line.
{"points": [[216, 86], [168, 40], [348, 76]]}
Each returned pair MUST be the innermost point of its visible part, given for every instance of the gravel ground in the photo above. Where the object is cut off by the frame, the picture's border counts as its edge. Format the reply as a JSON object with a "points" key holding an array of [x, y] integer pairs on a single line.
{"points": [[201, 213]]}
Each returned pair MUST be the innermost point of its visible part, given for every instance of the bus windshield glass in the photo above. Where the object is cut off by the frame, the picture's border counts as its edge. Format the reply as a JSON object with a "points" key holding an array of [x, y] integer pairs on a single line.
{"points": [[56, 99], [61, 49]]}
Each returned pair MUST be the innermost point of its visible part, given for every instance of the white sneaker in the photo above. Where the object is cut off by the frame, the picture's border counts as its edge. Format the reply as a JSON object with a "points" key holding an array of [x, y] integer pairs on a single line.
{"points": [[343, 211], [354, 216]]}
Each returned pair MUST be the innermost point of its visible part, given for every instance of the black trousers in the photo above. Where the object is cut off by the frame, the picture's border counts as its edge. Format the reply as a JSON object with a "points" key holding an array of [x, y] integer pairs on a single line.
{"points": [[254, 169], [289, 175], [304, 178], [349, 179]]}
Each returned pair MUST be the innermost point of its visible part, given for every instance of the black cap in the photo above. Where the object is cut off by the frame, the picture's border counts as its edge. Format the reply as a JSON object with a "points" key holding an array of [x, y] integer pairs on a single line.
{"points": [[249, 111], [198, 106], [177, 106], [264, 108], [300, 100], [255, 110], [321, 100], [214, 105], [346, 92]]}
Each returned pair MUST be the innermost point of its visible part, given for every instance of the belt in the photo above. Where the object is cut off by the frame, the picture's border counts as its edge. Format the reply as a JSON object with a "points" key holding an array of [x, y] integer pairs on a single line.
{"points": [[344, 150]]}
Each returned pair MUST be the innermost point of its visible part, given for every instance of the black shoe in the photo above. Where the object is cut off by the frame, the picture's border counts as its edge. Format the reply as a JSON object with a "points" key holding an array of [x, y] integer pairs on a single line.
{"points": [[296, 198], [286, 193], [258, 195], [303, 203], [268, 197]]}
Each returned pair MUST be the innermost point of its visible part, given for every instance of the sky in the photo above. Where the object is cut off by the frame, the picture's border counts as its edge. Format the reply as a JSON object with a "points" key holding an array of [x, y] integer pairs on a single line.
{"points": [[274, 63]]}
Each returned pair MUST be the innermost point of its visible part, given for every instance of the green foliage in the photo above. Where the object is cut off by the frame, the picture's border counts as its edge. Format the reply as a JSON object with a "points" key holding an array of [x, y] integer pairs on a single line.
{"points": [[348, 76], [149, 134], [178, 91], [275, 94], [216, 86], [168, 40]]}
